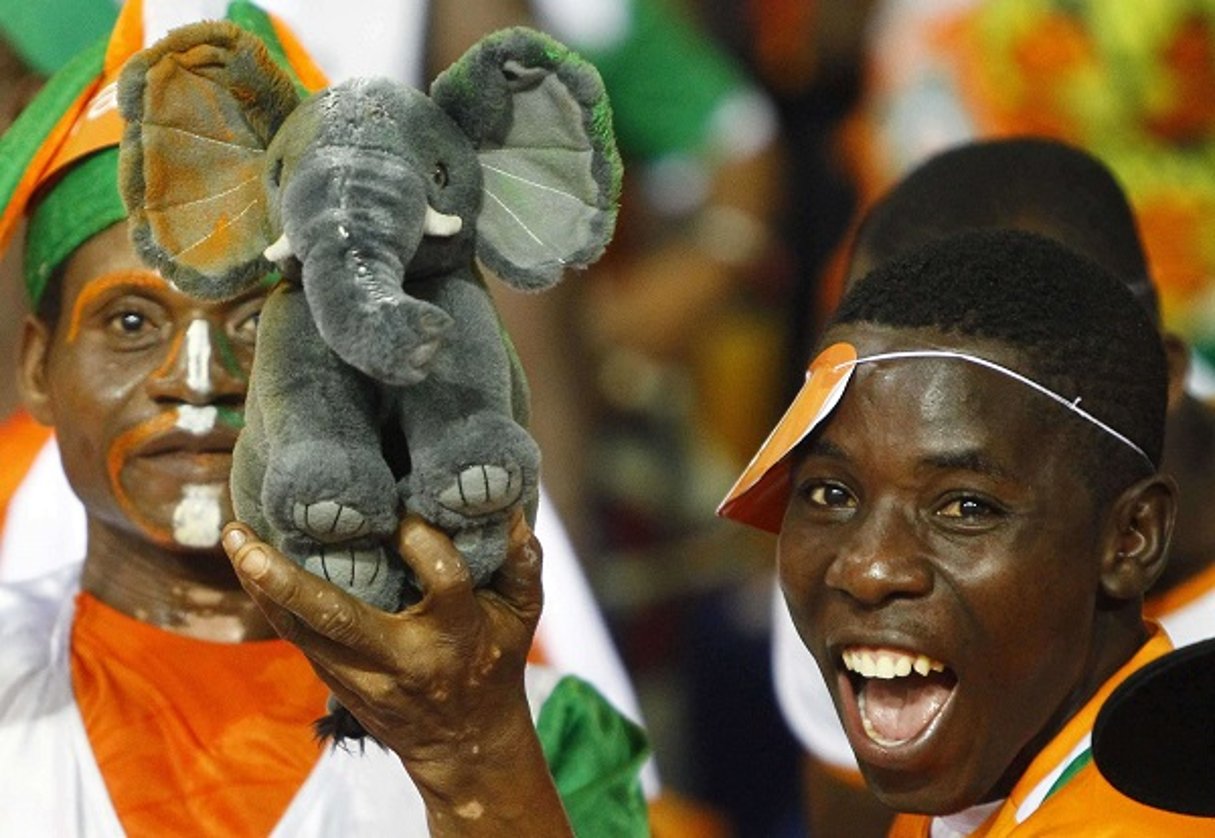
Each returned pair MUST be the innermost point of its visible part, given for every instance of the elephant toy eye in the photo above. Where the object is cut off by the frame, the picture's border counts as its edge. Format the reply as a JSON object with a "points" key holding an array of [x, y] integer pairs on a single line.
{"points": [[439, 175]]}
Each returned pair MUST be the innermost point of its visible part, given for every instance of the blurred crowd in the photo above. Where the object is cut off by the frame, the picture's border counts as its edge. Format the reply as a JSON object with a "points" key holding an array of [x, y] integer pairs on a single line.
{"points": [[754, 134]]}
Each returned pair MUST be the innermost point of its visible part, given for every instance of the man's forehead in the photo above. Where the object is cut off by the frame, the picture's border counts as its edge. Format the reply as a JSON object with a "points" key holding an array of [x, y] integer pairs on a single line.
{"points": [[939, 412], [964, 444]]}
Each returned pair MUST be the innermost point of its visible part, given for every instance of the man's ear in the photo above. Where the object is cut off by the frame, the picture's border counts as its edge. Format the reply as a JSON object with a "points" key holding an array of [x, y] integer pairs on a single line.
{"points": [[31, 370], [1141, 527], [1177, 352]]}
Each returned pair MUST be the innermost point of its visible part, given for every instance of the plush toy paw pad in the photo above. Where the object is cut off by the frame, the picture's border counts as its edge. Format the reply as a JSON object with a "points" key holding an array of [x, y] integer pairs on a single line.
{"points": [[329, 521], [352, 568], [479, 490]]}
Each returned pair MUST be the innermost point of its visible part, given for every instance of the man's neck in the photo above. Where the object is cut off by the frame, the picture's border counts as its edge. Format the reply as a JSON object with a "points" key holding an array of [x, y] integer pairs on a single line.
{"points": [[194, 593]]}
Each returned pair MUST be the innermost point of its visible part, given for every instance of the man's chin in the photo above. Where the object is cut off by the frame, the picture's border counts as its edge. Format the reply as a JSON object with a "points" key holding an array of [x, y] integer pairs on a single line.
{"points": [[917, 794]]}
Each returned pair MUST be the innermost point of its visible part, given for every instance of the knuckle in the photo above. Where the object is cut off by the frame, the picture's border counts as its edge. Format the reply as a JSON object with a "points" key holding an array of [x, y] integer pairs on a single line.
{"points": [[337, 621]]}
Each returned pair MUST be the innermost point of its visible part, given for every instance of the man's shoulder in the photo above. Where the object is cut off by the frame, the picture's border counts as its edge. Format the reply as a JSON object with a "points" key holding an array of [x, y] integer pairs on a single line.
{"points": [[1089, 805], [32, 612]]}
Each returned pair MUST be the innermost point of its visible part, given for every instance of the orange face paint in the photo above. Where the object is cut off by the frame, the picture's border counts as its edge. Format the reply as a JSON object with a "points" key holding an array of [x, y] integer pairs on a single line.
{"points": [[105, 284], [118, 454]]}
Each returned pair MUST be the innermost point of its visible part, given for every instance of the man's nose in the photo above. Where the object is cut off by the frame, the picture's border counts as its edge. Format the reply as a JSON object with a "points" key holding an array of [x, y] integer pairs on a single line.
{"points": [[882, 560], [195, 369]]}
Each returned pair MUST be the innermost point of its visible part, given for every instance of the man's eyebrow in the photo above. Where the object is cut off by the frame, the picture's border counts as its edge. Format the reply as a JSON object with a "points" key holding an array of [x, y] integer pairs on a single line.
{"points": [[104, 284], [818, 446], [967, 460]]}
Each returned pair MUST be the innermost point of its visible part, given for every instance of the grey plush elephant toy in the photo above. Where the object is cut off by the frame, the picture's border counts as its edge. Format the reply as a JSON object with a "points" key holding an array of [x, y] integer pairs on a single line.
{"points": [[382, 378]]}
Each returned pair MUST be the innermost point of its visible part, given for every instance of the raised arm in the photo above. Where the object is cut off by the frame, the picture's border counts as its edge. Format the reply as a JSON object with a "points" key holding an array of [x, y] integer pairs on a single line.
{"points": [[440, 683]]}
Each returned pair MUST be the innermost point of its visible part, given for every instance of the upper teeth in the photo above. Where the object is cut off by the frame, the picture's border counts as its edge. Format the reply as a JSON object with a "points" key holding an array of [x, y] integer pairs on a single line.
{"points": [[888, 663]]}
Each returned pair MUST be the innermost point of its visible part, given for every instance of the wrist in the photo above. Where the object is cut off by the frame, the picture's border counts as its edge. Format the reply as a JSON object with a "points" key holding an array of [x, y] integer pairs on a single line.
{"points": [[488, 780]]}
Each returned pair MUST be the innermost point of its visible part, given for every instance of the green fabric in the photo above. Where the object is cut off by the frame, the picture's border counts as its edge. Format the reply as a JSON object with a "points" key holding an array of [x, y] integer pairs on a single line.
{"points": [[1073, 768], [46, 34], [254, 20], [77, 207], [595, 755], [653, 116]]}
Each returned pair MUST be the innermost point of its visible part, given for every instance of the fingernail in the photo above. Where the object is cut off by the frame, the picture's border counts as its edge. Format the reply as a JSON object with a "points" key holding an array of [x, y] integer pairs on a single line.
{"points": [[520, 532], [254, 562], [233, 539]]}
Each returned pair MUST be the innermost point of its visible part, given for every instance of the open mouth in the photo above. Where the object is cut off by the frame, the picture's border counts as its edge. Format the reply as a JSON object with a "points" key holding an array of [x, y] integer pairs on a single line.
{"points": [[899, 694]]}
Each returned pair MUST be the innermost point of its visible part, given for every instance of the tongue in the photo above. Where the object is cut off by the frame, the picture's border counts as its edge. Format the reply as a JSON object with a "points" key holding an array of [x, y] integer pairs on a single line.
{"points": [[900, 708]]}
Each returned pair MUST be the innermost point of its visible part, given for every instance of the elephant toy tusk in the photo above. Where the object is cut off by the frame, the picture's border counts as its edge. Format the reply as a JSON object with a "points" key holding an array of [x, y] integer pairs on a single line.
{"points": [[280, 250], [438, 224]]}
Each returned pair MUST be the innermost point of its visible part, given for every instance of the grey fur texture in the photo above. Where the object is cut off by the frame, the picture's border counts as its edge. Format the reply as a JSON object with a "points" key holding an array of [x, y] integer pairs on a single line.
{"points": [[382, 380]]}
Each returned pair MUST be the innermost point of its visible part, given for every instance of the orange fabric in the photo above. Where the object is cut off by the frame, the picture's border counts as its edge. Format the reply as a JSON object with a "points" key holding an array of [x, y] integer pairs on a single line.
{"points": [[21, 438], [1178, 597], [193, 737], [127, 37], [310, 75], [1074, 808], [672, 816], [536, 654]]}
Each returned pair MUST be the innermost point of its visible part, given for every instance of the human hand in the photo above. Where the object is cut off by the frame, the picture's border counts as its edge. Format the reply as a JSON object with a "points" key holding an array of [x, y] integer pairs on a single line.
{"points": [[440, 683]]}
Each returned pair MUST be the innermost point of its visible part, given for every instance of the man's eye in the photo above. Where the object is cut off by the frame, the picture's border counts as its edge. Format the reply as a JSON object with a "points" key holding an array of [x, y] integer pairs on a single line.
{"points": [[967, 508], [130, 323], [246, 330], [829, 495]]}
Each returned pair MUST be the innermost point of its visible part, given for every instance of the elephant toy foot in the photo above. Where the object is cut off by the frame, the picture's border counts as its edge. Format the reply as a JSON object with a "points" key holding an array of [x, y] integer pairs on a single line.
{"points": [[481, 490], [330, 494], [483, 549], [367, 570], [329, 521]]}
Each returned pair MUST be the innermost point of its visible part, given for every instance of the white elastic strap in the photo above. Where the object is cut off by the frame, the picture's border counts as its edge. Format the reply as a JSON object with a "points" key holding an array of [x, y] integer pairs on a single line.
{"points": [[992, 365]]}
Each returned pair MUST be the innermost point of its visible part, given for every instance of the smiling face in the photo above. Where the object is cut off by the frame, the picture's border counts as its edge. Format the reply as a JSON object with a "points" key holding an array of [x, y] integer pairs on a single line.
{"points": [[146, 389], [941, 557]]}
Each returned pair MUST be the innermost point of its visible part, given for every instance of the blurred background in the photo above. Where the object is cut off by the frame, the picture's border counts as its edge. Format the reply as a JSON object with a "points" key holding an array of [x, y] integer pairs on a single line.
{"points": [[754, 132]]}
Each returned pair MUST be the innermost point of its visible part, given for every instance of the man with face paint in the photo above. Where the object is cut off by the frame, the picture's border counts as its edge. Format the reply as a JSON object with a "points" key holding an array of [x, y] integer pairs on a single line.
{"points": [[1067, 194], [969, 511], [146, 689]]}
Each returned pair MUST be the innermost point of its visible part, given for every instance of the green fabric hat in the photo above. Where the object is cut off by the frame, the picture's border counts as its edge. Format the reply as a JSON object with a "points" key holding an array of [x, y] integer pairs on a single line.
{"points": [[75, 208], [46, 34]]}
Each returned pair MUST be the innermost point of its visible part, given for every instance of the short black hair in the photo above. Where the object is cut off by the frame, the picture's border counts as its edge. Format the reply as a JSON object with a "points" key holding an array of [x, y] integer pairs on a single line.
{"points": [[1080, 331], [1027, 183]]}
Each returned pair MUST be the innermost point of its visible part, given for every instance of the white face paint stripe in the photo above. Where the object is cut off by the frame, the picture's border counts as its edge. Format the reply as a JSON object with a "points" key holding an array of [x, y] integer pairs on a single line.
{"points": [[198, 516], [198, 357], [197, 420]]}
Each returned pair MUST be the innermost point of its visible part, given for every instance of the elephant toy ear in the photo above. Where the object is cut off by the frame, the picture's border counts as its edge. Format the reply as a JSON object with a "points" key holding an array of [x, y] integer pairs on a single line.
{"points": [[201, 106], [541, 123]]}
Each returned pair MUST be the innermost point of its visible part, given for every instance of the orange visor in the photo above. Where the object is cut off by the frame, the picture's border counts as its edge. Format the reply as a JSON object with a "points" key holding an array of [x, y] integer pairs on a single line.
{"points": [[760, 495]]}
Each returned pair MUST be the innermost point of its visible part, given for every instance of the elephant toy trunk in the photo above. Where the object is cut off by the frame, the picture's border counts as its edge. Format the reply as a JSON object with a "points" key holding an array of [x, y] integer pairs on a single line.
{"points": [[356, 220]]}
